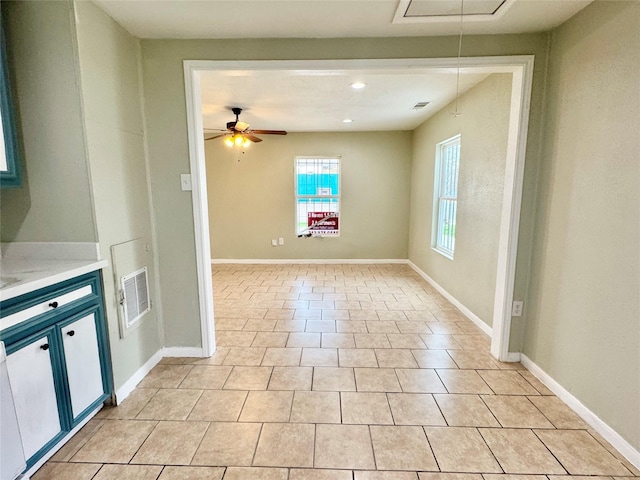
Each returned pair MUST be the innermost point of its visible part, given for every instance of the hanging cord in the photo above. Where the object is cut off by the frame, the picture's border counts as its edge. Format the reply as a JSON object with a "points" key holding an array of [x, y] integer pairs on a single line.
{"points": [[456, 113]]}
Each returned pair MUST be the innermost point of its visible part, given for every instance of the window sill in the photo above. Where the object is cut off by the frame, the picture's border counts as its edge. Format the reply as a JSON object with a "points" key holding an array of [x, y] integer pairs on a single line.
{"points": [[444, 253]]}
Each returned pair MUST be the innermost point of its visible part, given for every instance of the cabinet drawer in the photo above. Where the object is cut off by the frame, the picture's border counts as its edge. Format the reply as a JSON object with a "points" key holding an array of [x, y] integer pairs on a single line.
{"points": [[48, 305], [19, 315]]}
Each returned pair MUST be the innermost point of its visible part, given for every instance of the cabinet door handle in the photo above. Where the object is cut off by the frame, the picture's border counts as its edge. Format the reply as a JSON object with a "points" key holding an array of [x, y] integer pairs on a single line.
{"points": [[45, 346], [71, 333], [53, 304]]}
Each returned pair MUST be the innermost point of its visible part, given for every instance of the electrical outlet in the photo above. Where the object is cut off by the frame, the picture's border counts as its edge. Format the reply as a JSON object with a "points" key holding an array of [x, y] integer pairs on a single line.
{"points": [[281, 241], [274, 242], [516, 309]]}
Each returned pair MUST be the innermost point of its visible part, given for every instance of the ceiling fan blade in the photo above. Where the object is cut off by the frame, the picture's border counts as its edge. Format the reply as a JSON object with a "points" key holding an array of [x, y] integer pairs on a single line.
{"points": [[269, 132], [241, 126], [251, 137], [216, 136], [215, 129]]}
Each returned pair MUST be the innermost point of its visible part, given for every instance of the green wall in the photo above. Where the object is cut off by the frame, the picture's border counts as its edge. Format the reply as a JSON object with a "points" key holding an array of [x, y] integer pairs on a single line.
{"points": [[109, 61], [471, 276], [55, 204], [252, 201], [584, 308]]}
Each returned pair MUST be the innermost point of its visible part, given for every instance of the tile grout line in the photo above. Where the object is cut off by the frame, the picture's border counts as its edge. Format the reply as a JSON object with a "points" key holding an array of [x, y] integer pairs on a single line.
{"points": [[393, 418], [373, 451], [255, 448], [477, 429], [440, 409], [433, 453], [199, 443], [550, 452], [490, 411]]}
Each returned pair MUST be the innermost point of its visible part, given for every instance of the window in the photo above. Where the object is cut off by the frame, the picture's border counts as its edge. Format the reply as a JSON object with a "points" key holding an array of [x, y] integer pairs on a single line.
{"points": [[445, 196], [317, 196]]}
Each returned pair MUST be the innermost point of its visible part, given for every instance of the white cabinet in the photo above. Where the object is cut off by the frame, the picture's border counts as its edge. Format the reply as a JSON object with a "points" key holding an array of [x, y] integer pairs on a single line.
{"points": [[32, 382], [57, 360], [82, 359], [12, 461]]}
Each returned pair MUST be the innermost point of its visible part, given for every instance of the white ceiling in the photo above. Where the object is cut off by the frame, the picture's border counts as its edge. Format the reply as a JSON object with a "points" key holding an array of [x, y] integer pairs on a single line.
{"points": [[295, 101], [322, 18], [319, 102]]}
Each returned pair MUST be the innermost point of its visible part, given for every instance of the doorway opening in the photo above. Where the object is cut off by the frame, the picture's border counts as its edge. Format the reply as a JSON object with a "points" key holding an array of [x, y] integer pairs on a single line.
{"points": [[521, 70]]}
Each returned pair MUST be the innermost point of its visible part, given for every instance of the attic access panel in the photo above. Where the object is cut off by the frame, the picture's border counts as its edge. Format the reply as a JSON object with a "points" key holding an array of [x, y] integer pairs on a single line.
{"points": [[133, 296], [449, 10]]}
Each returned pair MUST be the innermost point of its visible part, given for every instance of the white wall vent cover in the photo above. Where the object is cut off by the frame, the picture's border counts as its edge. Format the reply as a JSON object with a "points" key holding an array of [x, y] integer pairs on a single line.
{"points": [[135, 296]]}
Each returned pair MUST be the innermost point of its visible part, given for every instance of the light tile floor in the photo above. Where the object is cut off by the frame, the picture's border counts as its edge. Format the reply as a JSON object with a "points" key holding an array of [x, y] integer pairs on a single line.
{"points": [[344, 372]]}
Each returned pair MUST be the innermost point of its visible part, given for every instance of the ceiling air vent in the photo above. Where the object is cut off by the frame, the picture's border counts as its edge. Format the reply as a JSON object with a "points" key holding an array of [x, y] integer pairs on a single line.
{"points": [[135, 296], [420, 105]]}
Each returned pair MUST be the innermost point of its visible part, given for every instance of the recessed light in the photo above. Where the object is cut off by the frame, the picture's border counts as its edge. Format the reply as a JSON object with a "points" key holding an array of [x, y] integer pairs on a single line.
{"points": [[358, 85], [347, 120]]}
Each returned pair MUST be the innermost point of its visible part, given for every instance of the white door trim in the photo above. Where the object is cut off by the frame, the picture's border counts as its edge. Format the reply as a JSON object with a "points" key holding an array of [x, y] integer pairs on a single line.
{"points": [[200, 208], [511, 203], [522, 69]]}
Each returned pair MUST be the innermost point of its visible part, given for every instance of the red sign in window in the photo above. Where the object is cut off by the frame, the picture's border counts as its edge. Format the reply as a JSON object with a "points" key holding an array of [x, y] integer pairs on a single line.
{"points": [[325, 223]]}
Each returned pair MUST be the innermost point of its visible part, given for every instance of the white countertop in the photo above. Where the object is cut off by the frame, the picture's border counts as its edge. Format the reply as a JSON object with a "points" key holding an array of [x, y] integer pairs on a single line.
{"points": [[21, 276], [26, 271]]}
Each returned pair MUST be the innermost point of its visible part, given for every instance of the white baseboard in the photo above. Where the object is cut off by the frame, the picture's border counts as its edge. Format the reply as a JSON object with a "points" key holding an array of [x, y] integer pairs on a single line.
{"points": [[128, 386], [465, 311], [608, 433], [514, 357], [182, 352], [293, 261]]}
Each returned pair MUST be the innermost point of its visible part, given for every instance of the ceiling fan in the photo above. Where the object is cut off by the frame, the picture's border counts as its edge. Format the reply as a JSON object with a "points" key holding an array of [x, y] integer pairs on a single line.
{"points": [[238, 133]]}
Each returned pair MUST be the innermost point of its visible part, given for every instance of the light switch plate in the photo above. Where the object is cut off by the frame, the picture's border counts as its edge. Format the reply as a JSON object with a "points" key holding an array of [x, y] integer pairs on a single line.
{"points": [[185, 182], [516, 309]]}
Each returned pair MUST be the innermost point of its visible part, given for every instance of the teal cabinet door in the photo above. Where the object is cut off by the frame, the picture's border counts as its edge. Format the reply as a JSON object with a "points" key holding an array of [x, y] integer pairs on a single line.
{"points": [[82, 361], [31, 375]]}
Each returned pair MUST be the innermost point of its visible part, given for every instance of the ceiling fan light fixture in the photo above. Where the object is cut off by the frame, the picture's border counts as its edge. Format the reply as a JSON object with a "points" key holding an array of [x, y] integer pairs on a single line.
{"points": [[238, 134], [358, 85], [347, 120]]}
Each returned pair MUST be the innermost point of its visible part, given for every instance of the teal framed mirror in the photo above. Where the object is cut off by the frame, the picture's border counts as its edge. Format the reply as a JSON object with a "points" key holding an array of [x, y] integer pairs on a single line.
{"points": [[9, 151]]}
